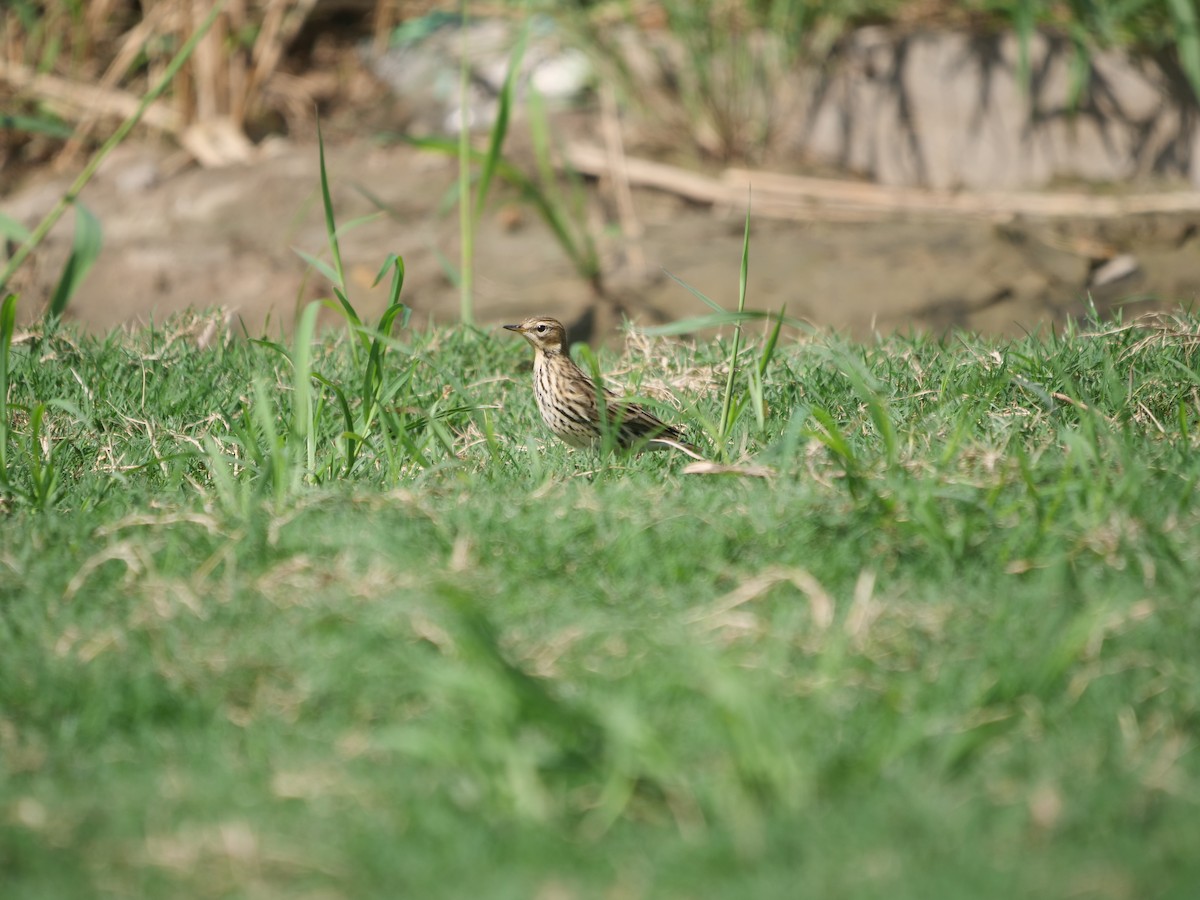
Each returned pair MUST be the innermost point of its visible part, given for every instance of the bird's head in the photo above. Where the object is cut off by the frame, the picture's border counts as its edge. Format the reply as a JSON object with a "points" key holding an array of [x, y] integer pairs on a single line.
{"points": [[546, 334]]}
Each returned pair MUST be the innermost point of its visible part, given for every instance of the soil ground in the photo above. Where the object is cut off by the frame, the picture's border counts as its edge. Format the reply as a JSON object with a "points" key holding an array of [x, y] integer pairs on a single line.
{"points": [[178, 238]]}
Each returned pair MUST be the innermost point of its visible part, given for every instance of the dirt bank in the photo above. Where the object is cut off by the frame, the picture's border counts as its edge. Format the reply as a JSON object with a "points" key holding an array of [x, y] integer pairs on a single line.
{"points": [[226, 237]]}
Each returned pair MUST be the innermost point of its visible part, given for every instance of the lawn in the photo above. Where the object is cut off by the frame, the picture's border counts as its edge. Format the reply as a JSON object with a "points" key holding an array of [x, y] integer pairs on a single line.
{"points": [[330, 616]]}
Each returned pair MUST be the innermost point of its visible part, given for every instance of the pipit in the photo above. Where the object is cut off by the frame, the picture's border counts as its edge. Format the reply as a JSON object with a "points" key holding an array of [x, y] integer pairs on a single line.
{"points": [[570, 405]]}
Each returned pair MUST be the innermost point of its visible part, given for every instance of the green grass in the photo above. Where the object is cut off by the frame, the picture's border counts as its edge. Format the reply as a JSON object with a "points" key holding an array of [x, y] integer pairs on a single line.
{"points": [[948, 649]]}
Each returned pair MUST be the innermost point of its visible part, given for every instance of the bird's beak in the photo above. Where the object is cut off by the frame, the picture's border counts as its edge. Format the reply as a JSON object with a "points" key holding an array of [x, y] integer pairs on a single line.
{"points": [[513, 327]]}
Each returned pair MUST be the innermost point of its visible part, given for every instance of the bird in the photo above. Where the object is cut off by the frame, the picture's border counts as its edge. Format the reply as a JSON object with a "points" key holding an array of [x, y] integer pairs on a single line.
{"points": [[570, 404]]}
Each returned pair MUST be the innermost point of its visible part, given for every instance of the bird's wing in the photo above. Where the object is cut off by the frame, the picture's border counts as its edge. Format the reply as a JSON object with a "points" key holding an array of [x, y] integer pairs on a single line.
{"points": [[635, 419], [639, 421], [635, 423]]}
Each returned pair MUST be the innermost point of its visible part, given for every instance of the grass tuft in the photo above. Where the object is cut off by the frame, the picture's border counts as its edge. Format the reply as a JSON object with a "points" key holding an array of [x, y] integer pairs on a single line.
{"points": [[283, 609]]}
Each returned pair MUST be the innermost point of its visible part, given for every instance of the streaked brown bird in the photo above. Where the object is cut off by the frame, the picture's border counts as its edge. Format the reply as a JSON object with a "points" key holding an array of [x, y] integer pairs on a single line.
{"points": [[568, 402]]}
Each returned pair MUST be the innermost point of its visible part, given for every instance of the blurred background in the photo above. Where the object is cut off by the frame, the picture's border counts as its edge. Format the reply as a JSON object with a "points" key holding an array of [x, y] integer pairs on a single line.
{"points": [[998, 165]]}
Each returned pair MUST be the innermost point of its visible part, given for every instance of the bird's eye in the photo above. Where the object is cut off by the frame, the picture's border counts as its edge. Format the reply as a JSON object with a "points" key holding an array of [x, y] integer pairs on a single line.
{"points": [[541, 329]]}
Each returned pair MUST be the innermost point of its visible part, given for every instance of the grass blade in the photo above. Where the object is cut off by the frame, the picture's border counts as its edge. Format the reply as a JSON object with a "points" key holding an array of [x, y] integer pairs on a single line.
{"points": [[318, 264], [466, 218], [728, 412], [302, 407], [1023, 23], [12, 230], [8, 319], [1187, 39], [772, 341], [698, 294], [339, 279], [395, 263], [718, 320], [500, 128], [84, 250], [37, 125]]}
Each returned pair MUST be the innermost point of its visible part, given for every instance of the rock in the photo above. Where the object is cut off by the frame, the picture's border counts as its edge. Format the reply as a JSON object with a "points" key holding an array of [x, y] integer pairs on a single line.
{"points": [[563, 77], [949, 110], [426, 73], [1116, 269], [217, 142], [940, 109]]}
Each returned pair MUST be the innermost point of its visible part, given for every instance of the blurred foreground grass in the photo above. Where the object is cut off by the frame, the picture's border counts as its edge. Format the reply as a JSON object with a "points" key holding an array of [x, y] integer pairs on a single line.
{"points": [[948, 648]]}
